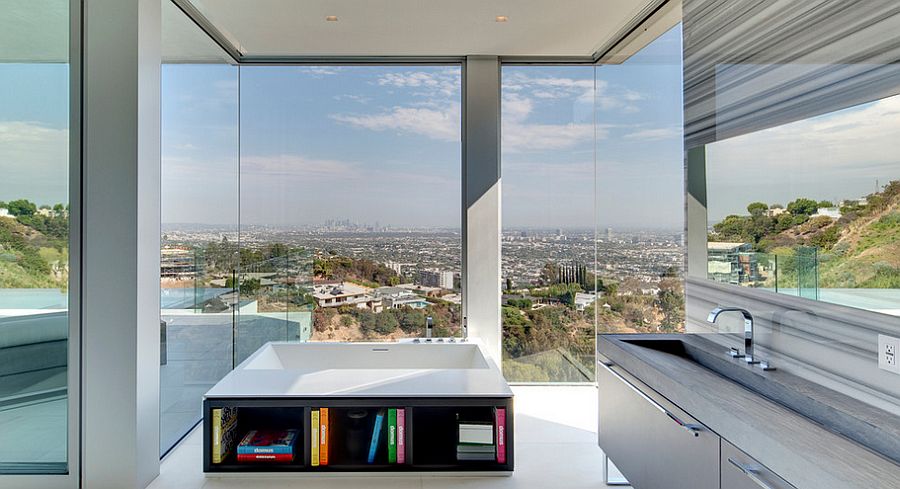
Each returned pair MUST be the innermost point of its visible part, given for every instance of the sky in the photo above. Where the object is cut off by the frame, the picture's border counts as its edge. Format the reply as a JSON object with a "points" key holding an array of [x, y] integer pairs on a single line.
{"points": [[295, 145]]}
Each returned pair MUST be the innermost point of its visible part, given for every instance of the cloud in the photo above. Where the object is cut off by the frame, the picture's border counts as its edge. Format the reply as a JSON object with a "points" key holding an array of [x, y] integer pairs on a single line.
{"points": [[837, 155], [297, 166], [319, 71], [444, 83], [516, 108], [654, 134], [547, 87], [519, 134], [442, 125], [353, 98], [33, 162]]}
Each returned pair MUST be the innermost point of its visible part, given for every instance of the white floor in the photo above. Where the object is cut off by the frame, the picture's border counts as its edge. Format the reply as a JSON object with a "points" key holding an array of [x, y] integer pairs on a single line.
{"points": [[556, 448]]}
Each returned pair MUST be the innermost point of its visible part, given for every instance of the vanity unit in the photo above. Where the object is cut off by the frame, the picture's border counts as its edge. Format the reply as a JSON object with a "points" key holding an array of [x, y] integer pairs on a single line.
{"points": [[435, 405], [677, 411]]}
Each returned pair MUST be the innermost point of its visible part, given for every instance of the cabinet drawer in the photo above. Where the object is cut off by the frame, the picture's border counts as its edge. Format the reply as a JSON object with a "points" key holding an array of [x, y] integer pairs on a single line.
{"points": [[741, 471], [653, 442]]}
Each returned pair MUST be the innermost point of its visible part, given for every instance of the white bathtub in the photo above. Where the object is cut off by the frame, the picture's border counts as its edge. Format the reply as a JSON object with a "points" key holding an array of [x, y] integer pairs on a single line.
{"points": [[405, 369]]}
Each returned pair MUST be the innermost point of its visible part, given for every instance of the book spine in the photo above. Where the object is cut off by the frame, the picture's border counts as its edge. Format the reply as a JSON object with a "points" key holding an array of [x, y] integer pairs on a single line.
{"points": [[265, 457], [376, 434], [249, 449], [217, 436], [501, 435], [324, 429], [314, 442], [401, 436], [392, 436]]}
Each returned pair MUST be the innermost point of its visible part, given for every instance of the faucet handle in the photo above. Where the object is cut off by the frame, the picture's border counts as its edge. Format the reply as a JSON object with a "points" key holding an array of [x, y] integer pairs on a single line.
{"points": [[765, 366], [735, 353]]}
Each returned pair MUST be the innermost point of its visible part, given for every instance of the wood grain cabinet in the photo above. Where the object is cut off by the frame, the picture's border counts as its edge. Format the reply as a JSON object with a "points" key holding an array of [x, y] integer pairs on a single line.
{"points": [[741, 471], [653, 442]]}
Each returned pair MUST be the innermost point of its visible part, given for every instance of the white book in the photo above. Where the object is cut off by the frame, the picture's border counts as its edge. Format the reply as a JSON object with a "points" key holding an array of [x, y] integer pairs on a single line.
{"points": [[481, 434]]}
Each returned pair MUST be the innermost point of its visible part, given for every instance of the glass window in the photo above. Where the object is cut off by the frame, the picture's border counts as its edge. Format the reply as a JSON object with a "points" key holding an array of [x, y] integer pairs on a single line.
{"points": [[593, 209], [548, 277], [34, 236], [199, 221], [802, 177], [350, 203], [640, 191]]}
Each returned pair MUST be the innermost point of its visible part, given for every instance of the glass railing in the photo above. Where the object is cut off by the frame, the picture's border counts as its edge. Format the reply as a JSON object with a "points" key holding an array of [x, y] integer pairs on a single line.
{"points": [[197, 307], [274, 301], [809, 273]]}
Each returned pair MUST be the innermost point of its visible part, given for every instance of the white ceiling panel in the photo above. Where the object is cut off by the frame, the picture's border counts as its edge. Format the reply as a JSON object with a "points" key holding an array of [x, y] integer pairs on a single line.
{"points": [[419, 27]]}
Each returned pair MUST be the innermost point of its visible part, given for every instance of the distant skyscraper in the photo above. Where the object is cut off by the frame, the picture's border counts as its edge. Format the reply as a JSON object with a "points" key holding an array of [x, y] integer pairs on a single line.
{"points": [[608, 233]]}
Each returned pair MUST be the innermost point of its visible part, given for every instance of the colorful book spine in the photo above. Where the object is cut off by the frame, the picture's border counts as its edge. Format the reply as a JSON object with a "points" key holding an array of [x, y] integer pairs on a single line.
{"points": [[401, 436], [376, 434], [265, 457], [501, 435], [324, 428], [392, 436], [314, 442], [268, 442], [224, 427]]}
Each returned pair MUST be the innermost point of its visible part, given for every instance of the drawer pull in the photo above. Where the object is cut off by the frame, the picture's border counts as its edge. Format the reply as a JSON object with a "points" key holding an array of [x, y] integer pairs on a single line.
{"points": [[752, 473], [693, 429]]}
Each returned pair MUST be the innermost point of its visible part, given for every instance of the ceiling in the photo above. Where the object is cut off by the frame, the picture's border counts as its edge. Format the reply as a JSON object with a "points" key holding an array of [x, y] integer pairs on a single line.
{"points": [[298, 28]]}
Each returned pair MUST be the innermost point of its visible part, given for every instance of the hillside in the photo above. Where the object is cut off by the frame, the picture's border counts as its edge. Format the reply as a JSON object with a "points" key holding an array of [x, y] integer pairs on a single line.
{"points": [[860, 249], [29, 258]]}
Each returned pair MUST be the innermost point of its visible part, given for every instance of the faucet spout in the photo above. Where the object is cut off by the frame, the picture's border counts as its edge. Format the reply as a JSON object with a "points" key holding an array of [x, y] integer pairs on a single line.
{"points": [[748, 329]]}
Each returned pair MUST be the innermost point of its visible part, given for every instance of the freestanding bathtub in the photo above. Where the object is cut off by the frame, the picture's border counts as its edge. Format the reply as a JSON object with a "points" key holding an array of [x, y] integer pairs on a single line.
{"points": [[438, 384]]}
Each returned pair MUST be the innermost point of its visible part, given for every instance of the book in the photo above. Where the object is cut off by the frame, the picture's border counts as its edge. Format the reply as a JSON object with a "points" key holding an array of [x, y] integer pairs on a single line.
{"points": [[475, 452], [324, 429], [265, 457], [501, 435], [476, 433], [475, 449], [392, 436], [268, 442], [314, 442], [224, 432], [401, 436], [376, 434]]}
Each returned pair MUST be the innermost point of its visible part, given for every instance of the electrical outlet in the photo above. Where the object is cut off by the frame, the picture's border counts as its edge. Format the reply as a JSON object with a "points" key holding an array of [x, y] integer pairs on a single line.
{"points": [[889, 353]]}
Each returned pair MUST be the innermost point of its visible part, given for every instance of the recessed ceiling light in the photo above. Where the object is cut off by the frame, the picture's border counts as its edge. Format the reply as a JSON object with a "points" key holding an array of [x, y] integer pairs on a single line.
{"points": [[331, 18], [501, 18]]}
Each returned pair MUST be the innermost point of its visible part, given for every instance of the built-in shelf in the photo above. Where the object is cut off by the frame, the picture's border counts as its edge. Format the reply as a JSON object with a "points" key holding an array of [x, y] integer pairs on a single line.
{"points": [[431, 433]]}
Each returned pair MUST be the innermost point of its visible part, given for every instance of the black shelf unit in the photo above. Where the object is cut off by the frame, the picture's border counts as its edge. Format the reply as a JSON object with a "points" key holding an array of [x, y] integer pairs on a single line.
{"points": [[431, 432]]}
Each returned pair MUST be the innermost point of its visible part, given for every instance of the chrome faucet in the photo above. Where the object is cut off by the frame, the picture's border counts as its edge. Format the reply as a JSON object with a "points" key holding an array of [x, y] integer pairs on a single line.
{"points": [[429, 326], [748, 332]]}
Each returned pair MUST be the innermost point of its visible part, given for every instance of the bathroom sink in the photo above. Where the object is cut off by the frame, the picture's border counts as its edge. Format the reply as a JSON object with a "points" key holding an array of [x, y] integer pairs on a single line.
{"points": [[854, 419]]}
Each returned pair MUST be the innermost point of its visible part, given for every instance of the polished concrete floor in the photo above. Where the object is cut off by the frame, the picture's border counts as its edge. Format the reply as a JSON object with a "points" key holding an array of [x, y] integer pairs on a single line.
{"points": [[556, 448]]}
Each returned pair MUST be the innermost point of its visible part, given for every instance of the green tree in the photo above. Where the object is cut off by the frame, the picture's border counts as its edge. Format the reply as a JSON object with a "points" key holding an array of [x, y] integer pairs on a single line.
{"points": [[21, 207], [757, 208], [386, 323], [803, 207], [670, 301], [250, 286], [825, 203]]}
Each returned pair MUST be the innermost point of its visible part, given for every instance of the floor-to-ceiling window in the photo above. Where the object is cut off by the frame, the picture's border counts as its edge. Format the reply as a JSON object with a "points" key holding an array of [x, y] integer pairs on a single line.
{"points": [[34, 236], [640, 191], [593, 208], [350, 188], [199, 204], [548, 280]]}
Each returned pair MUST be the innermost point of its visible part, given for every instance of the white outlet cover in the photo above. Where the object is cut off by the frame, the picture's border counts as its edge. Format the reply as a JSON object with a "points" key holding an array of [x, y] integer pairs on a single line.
{"points": [[887, 345]]}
